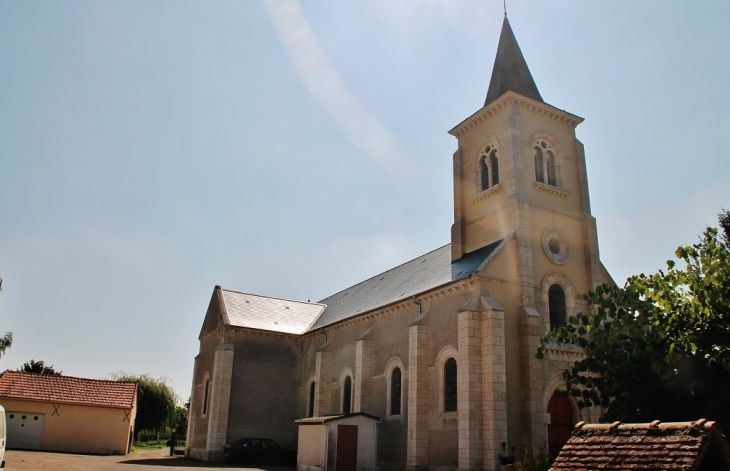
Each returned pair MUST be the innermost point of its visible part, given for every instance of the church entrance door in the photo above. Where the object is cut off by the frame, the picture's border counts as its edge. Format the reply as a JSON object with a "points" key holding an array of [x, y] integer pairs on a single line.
{"points": [[346, 448], [561, 423]]}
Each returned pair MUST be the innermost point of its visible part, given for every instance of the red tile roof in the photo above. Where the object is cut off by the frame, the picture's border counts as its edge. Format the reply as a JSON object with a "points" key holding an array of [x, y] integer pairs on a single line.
{"points": [[655, 446], [67, 390]]}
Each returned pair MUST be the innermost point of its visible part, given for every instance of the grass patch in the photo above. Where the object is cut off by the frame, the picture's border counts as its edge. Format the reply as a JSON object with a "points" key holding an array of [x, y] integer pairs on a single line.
{"points": [[151, 445]]}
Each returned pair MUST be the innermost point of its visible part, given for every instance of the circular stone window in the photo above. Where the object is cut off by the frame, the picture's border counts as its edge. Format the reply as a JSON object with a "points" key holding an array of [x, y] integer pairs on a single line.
{"points": [[556, 245]]}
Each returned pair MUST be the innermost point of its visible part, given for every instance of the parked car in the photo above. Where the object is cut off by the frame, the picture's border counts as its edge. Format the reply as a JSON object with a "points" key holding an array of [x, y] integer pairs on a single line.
{"points": [[258, 450]]}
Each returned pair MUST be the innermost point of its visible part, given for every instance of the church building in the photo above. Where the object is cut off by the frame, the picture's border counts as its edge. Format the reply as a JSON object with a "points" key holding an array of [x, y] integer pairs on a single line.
{"points": [[441, 348]]}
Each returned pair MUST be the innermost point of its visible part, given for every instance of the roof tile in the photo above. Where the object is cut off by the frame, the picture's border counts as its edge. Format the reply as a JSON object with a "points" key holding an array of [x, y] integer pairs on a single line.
{"points": [[670, 446], [67, 390]]}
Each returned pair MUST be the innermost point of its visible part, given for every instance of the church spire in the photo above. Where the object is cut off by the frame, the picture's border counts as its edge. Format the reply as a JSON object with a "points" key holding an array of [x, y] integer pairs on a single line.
{"points": [[510, 70]]}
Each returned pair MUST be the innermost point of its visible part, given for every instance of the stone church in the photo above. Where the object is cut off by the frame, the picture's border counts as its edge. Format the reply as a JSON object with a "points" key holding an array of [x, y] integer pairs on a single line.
{"points": [[441, 348]]}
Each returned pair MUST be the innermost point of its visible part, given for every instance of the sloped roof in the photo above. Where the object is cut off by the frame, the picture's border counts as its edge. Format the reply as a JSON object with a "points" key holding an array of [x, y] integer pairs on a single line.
{"points": [[269, 313], [421, 274], [67, 390], [510, 71], [655, 446], [334, 417]]}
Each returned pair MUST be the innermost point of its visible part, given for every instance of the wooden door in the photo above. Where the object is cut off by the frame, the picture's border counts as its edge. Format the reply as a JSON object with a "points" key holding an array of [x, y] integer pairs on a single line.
{"points": [[561, 423], [346, 448]]}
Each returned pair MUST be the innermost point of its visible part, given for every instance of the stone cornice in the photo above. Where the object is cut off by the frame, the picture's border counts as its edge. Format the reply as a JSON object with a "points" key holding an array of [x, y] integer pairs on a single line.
{"points": [[551, 190], [512, 98], [566, 353], [460, 285], [264, 333], [487, 193]]}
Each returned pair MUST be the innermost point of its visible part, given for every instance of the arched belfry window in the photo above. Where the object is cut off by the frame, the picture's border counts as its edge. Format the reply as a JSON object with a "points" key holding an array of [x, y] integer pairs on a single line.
{"points": [[546, 164], [347, 396], [556, 298], [450, 393], [395, 391], [494, 163], [311, 400], [488, 167]]}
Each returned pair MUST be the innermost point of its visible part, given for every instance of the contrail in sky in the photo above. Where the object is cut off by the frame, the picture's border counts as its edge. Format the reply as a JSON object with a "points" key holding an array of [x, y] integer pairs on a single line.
{"points": [[327, 86]]}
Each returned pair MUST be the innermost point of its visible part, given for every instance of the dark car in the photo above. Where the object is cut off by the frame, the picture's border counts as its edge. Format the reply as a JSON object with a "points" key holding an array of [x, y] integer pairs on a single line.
{"points": [[258, 450]]}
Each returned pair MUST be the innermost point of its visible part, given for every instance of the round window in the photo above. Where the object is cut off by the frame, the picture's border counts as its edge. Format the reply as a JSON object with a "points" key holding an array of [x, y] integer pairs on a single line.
{"points": [[556, 245]]}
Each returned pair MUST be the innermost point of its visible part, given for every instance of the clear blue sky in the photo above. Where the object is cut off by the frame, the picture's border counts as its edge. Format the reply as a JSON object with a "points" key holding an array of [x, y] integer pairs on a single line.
{"points": [[151, 150]]}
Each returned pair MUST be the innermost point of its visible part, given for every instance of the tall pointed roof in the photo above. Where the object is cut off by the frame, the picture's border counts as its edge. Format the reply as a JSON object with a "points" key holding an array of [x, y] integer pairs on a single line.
{"points": [[510, 70]]}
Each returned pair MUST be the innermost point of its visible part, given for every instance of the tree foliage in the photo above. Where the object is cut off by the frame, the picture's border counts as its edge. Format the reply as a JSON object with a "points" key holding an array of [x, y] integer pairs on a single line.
{"points": [[659, 347], [155, 402], [6, 340], [39, 368]]}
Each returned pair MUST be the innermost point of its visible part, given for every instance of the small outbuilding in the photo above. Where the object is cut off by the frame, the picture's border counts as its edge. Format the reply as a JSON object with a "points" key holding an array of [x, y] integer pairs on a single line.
{"points": [[342, 442], [68, 414], [681, 446]]}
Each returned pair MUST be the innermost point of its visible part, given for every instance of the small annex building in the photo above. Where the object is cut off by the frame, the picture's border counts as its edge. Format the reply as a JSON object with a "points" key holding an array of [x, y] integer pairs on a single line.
{"points": [[68, 414], [345, 442], [679, 446]]}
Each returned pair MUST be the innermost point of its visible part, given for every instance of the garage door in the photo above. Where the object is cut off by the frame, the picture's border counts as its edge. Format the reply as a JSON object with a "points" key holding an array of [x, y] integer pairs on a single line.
{"points": [[24, 429]]}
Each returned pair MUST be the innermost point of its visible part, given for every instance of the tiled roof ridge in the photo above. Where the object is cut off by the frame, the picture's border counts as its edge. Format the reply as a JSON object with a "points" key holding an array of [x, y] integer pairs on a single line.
{"points": [[273, 297], [383, 272], [62, 376], [654, 425]]}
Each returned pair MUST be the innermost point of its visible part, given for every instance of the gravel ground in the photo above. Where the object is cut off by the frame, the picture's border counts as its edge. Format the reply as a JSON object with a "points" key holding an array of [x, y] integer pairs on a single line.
{"points": [[140, 460]]}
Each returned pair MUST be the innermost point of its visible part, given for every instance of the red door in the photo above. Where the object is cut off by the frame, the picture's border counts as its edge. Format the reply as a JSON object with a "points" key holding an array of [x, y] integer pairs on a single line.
{"points": [[346, 448], [561, 423]]}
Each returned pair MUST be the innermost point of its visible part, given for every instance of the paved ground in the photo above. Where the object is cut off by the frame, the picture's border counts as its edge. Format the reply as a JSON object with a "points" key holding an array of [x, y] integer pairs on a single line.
{"points": [[140, 460]]}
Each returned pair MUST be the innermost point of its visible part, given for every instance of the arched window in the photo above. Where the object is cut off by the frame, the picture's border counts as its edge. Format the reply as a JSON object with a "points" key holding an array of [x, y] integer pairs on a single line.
{"points": [[484, 170], [552, 171], [395, 391], [556, 298], [450, 396], [205, 396], [347, 396], [494, 162], [311, 400], [539, 168], [488, 167], [561, 423], [546, 164]]}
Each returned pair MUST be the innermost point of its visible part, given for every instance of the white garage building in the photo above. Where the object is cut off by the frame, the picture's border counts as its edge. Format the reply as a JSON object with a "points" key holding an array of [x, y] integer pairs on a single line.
{"points": [[69, 414]]}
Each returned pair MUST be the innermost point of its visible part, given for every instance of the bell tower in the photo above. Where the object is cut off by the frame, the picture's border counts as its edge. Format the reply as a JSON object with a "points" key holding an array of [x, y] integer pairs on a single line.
{"points": [[520, 171], [520, 168]]}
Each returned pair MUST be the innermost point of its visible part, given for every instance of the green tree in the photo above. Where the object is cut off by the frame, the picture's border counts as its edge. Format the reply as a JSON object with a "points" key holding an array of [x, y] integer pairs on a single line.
{"points": [[6, 340], [155, 402], [39, 368], [179, 420], [659, 347]]}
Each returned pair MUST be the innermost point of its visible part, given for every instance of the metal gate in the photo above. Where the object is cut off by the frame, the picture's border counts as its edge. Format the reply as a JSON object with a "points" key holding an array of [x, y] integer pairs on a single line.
{"points": [[24, 429]]}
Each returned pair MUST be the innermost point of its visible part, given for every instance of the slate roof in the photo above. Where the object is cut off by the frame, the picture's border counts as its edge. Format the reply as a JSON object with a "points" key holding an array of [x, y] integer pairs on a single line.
{"points": [[268, 313], [510, 71], [421, 274], [655, 446], [67, 390]]}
